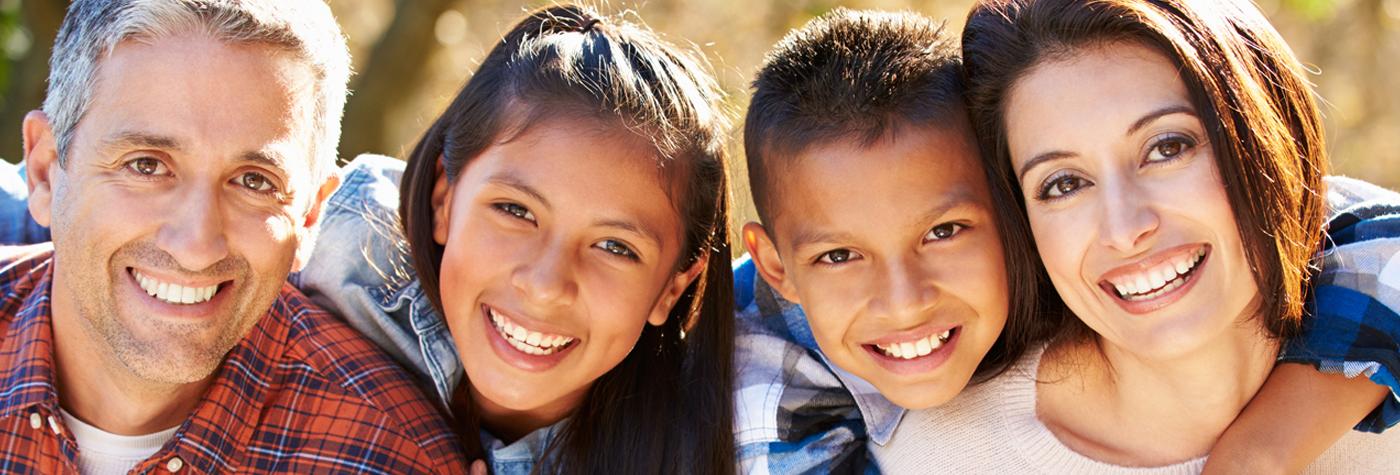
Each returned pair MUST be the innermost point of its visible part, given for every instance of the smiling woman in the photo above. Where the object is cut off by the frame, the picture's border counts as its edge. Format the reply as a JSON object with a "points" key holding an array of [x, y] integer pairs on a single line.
{"points": [[1169, 162]]}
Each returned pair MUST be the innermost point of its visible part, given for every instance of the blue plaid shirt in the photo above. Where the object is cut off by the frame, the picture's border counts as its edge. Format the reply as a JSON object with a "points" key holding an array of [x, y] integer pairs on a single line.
{"points": [[795, 412]]}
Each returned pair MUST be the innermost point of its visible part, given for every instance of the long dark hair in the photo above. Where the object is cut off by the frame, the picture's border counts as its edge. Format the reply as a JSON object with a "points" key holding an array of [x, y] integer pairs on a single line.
{"points": [[1245, 83], [666, 408]]}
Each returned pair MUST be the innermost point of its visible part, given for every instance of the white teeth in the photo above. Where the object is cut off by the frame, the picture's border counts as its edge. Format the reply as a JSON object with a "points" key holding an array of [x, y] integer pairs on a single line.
{"points": [[916, 348], [525, 340], [1157, 281], [174, 293]]}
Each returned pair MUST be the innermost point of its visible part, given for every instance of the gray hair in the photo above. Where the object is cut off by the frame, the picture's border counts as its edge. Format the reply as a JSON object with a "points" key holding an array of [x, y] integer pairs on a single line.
{"points": [[93, 28]]}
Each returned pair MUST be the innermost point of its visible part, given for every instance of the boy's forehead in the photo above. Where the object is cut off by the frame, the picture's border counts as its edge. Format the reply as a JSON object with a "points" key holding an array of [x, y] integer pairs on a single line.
{"points": [[907, 175]]}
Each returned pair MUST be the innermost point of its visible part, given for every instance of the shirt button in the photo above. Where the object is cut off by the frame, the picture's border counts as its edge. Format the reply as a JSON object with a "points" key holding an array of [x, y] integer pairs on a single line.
{"points": [[175, 464], [35, 421], [53, 424]]}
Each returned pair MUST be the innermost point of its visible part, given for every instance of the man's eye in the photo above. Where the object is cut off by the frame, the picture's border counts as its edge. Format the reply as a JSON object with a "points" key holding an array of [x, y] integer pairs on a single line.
{"points": [[838, 256], [257, 182], [146, 166]]}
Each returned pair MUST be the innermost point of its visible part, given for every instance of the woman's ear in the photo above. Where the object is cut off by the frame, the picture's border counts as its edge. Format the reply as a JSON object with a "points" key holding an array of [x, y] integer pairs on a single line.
{"points": [[674, 288]]}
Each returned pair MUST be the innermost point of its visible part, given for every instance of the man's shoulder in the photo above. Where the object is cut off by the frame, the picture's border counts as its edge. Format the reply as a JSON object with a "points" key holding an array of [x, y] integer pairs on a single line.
{"points": [[21, 268], [334, 375]]}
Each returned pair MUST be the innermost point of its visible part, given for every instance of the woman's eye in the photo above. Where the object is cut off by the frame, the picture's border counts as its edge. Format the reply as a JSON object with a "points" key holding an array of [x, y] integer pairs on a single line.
{"points": [[146, 166], [838, 256], [616, 248], [1061, 186], [515, 210], [1169, 148], [256, 182], [944, 231]]}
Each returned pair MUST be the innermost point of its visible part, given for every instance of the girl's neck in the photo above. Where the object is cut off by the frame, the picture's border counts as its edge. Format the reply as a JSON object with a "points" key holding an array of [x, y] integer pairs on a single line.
{"points": [[509, 425], [1118, 407]]}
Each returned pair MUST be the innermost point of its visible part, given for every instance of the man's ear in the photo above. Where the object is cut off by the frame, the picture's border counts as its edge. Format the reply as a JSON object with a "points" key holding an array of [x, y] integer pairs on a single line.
{"points": [[442, 205], [674, 288], [309, 227], [765, 258], [40, 163]]}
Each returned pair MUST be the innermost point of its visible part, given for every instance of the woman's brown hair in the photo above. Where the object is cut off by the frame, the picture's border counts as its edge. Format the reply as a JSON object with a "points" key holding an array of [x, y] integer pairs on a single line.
{"points": [[1246, 86], [666, 408]]}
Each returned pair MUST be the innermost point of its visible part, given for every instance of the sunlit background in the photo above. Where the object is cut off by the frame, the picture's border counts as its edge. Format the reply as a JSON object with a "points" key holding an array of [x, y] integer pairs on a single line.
{"points": [[411, 56]]}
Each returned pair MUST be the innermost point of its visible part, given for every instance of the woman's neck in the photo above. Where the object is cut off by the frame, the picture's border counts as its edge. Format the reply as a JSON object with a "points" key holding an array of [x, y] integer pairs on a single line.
{"points": [[1122, 408], [509, 425]]}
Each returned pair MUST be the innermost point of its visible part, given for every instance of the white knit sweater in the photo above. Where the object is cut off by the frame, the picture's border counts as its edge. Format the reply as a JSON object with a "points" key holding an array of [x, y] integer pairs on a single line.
{"points": [[992, 428]]}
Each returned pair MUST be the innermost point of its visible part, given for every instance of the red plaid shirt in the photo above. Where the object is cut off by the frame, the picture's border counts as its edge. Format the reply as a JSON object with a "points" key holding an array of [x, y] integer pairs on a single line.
{"points": [[302, 393]]}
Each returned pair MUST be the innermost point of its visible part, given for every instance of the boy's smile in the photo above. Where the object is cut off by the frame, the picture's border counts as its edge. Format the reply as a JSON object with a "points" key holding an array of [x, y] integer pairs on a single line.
{"points": [[891, 248]]}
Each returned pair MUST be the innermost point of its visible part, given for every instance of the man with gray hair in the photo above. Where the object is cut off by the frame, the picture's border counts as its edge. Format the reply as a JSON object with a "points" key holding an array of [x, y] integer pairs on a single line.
{"points": [[180, 160]]}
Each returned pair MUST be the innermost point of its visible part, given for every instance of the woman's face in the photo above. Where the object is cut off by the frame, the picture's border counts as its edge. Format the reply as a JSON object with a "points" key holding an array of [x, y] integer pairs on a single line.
{"points": [[560, 246], [1127, 208]]}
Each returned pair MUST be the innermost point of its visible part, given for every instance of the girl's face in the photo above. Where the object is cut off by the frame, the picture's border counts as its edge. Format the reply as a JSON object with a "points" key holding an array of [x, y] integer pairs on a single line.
{"points": [[560, 246], [1127, 208]]}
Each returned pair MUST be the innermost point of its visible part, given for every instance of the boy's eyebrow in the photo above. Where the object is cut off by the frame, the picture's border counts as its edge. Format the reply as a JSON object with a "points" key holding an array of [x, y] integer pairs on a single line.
{"points": [[806, 236], [511, 181]]}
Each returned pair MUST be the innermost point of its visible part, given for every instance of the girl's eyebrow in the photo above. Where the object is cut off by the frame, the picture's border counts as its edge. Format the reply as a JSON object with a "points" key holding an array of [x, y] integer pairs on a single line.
{"points": [[630, 227], [509, 180]]}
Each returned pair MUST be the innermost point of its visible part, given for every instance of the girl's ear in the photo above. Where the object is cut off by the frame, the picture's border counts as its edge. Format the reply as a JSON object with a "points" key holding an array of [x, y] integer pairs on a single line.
{"points": [[442, 205], [674, 288]]}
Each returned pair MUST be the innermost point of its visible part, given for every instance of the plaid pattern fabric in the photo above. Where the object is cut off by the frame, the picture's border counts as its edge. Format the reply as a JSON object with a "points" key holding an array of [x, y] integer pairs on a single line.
{"points": [[1356, 297], [302, 393], [795, 412]]}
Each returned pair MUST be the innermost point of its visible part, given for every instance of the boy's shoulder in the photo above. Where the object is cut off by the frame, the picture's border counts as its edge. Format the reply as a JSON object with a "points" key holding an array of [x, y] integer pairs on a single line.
{"points": [[794, 410]]}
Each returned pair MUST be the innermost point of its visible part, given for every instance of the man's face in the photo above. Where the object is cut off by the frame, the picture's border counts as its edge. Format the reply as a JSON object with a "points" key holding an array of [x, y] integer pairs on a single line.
{"points": [[185, 193], [892, 249]]}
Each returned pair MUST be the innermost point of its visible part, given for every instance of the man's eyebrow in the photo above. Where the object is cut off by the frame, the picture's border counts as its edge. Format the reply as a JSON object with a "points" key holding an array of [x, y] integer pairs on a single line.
{"points": [[267, 158], [130, 139]]}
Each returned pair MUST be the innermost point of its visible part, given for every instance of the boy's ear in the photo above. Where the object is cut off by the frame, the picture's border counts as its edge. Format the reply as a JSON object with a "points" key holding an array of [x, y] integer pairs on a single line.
{"points": [[674, 288], [765, 258], [442, 205], [311, 224], [40, 164]]}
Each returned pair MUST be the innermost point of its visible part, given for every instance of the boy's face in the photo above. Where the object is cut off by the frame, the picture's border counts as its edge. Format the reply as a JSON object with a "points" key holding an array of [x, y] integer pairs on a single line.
{"points": [[893, 253]]}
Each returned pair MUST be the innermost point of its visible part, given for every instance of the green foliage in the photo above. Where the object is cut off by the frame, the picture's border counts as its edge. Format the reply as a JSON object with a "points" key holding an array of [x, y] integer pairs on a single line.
{"points": [[1314, 10]]}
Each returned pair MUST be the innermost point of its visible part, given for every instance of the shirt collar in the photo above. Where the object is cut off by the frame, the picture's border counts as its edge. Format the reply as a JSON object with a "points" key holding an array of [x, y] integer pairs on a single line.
{"points": [[880, 415]]}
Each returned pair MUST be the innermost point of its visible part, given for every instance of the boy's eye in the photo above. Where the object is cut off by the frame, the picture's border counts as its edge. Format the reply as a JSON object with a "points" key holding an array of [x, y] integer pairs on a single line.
{"points": [[515, 210], [944, 231], [838, 256], [147, 166], [617, 248]]}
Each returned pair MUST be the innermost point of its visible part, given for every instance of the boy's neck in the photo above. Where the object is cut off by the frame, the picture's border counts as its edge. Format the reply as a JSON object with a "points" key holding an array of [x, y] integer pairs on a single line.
{"points": [[1126, 409]]}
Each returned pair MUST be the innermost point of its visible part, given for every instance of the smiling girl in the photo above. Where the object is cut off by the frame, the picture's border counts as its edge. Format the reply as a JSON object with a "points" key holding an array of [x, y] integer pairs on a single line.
{"points": [[562, 278]]}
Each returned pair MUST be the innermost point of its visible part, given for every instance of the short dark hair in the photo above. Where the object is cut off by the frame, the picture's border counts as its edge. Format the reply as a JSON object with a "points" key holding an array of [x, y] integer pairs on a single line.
{"points": [[1250, 90], [861, 75], [847, 75], [667, 407]]}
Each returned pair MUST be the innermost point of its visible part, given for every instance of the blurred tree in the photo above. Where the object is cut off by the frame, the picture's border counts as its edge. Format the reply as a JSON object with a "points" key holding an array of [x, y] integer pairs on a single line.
{"points": [[390, 76], [26, 66]]}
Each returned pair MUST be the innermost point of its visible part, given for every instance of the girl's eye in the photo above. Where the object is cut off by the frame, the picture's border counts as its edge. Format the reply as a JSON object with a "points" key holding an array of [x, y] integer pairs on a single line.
{"points": [[256, 182], [1061, 185], [147, 166], [944, 231], [837, 257], [616, 248], [1169, 147], [515, 210]]}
